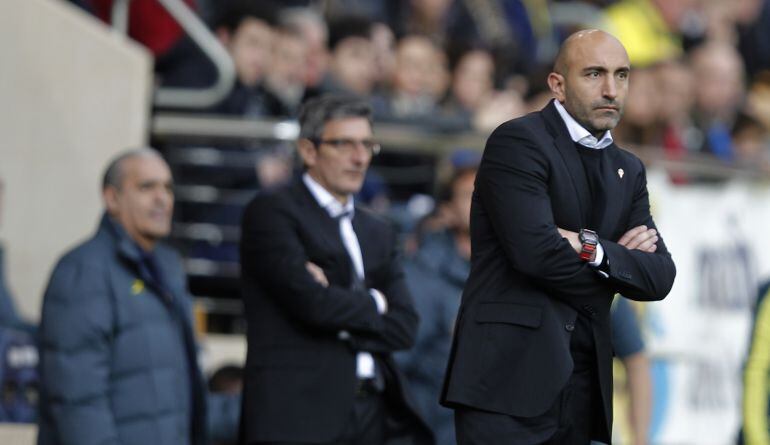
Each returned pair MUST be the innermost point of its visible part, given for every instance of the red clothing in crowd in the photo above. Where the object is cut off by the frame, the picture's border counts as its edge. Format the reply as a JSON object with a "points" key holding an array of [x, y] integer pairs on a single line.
{"points": [[149, 23]]}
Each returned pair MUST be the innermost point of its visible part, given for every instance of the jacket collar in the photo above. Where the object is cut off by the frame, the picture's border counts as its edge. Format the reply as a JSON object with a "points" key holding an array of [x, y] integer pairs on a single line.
{"points": [[327, 227], [579, 134], [129, 250], [127, 247], [325, 199]]}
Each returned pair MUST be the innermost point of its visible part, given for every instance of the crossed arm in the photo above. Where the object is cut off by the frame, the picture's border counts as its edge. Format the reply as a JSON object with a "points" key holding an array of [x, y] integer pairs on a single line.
{"points": [[273, 254], [399, 319], [514, 188], [639, 238]]}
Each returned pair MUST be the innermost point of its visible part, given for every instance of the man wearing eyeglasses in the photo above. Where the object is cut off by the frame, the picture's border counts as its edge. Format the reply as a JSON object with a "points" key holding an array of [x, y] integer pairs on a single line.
{"points": [[325, 298]]}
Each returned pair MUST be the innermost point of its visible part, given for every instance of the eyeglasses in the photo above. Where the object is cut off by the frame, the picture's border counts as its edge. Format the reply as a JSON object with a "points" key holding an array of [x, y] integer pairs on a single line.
{"points": [[347, 146]]}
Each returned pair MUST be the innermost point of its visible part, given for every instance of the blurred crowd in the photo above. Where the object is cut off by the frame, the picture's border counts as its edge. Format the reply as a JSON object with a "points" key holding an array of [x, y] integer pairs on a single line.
{"points": [[701, 81]]}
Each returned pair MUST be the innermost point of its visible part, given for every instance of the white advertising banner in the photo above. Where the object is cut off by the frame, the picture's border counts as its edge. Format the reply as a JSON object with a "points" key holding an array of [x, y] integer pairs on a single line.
{"points": [[698, 335]]}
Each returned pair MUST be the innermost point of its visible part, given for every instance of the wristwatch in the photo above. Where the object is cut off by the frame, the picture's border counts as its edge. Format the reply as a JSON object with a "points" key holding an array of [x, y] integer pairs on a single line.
{"points": [[589, 239]]}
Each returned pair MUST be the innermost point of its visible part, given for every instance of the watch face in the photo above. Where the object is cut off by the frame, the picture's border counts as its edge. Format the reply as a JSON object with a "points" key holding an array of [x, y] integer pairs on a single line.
{"points": [[588, 236]]}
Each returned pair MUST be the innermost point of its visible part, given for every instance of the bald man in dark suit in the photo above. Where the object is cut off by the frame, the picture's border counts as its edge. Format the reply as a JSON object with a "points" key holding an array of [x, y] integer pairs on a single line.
{"points": [[560, 222]]}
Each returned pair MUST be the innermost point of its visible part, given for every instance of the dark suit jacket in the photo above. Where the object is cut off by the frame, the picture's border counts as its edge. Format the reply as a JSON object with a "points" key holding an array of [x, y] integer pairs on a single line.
{"points": [[511, 352], [300, 376]]}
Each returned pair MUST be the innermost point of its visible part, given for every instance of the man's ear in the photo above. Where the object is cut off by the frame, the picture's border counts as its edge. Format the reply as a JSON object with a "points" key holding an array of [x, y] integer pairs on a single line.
{"points": [[307, 152], [556, 84], [110, 197]]}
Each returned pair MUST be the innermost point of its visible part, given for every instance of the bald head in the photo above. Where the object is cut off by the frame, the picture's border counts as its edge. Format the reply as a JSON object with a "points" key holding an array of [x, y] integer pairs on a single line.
{"points": [[590, 79], [578, 42], [113, 175]]}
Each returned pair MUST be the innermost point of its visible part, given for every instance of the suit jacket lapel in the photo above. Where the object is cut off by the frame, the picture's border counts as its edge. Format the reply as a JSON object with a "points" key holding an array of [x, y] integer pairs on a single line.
{"points": [[569, 153], [328, 228]]}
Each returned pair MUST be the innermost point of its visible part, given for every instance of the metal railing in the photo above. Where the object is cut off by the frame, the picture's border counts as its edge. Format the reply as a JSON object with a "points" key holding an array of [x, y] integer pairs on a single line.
{"points": [[202, 36], [411, 139]]}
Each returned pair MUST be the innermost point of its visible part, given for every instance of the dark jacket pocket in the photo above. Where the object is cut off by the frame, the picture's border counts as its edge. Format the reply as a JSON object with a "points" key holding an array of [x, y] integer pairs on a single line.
{"points": [[510, 313]]}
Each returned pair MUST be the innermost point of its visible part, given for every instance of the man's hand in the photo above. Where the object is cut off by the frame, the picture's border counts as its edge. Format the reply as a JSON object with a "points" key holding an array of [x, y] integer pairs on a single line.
{"points": [[317, 273], [640, 238], [573, 238]]}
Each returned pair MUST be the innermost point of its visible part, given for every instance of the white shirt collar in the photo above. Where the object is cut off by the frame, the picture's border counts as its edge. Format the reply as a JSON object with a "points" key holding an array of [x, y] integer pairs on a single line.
{"points": [[326, 199], [580, 134]]}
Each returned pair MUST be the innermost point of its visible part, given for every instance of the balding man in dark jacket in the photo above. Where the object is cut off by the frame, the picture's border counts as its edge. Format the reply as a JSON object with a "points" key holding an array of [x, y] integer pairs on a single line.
{"points": [[118, 353]]}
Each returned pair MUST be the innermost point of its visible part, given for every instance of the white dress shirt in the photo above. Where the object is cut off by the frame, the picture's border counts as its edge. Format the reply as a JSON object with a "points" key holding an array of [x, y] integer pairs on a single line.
{"points": [[581, 136], [365, 361]]}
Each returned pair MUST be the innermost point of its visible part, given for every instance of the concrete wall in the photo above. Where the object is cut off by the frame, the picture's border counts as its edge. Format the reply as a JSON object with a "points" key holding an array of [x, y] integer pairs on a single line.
{"points": [[72, 94], [17, 434]]}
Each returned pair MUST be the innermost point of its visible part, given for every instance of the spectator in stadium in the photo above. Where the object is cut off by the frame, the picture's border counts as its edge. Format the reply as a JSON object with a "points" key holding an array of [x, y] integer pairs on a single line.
{"points": [[428, 18], [19, 377], [719, 93], [311, 25], [751, 141], [419, 82], [755, 428], [325, 298], [531, 355], [245, 29], [352, 60], [9, 316], [436, 276], [674, 79], [520, 33], [758, 100], [118, 352], [385, 55], [649, 29], [753, 29], [228, 379], [285, 77], [439, 76], [473, 97], [473, 81], [640, 125], [412, 94], [503, 105]]}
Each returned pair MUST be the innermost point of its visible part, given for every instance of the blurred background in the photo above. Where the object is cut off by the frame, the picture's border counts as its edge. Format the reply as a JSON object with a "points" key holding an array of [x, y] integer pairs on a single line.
{"points": [[215, 85]]}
